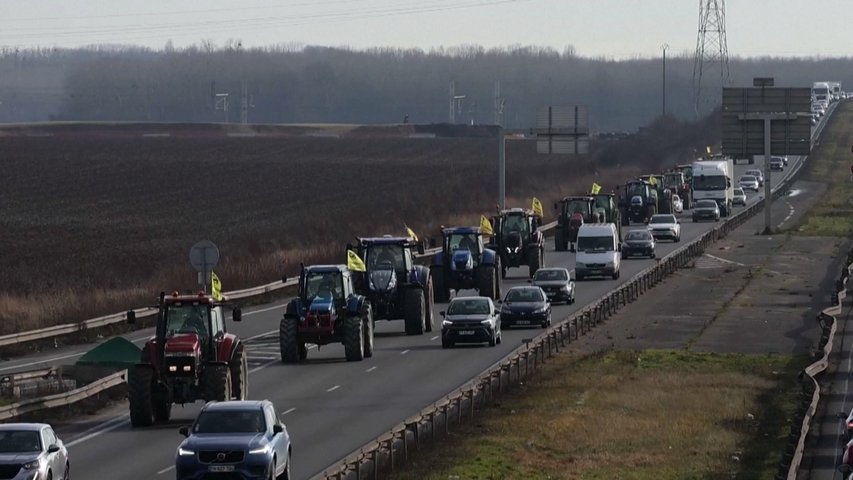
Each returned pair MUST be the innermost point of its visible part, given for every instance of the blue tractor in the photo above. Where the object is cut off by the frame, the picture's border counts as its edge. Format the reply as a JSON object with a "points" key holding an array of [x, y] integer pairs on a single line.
{"points": [[465, 263], [326, 310], [395, 286]]}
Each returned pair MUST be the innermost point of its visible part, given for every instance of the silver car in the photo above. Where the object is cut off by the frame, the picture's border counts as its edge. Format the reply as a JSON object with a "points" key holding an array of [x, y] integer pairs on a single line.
{"points": [[739, 197], [30, 451], [748, 182]]}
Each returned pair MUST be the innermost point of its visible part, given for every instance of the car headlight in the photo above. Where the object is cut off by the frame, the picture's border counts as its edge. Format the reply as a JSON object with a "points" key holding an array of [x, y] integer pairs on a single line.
{"points": [[446, 323], [183, 452], [540, 310], [485, 322], [260, 450], [566, 288], [34, 465]]}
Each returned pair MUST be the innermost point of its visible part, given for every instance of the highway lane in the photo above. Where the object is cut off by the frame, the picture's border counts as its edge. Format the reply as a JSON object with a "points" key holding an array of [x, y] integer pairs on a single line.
{"points": [[332, 407]]}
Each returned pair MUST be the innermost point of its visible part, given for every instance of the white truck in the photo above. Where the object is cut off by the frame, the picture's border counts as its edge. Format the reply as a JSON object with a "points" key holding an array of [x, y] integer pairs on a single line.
{"points": [[713, 179], [821, 93]]}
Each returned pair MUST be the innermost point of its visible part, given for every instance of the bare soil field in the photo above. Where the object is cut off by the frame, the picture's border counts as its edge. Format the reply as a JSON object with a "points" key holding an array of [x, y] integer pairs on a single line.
{"points": [[97, 218]]}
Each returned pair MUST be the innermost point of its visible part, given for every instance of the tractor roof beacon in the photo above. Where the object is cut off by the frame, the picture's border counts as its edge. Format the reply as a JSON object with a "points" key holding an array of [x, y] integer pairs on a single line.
{"points": [[395, 286], [191, 357], [326, 310], [464, 262], [518, 240]]}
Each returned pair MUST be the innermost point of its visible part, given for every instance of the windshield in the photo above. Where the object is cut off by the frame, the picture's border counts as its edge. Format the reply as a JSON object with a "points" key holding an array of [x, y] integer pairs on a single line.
{"points": [[577, 206], [186, 318], [524, 295], [637, 189], [464, 240], [755, 173], [747, 178], [709, 182], [638, 235], [550, 275], [324, 284], [662, 219], [820, 91], [595, 244], [515, 223], [470, 306], [706, 204], [385, 256], [672, 180], [18, 441], [234, 421], [738, 191]]}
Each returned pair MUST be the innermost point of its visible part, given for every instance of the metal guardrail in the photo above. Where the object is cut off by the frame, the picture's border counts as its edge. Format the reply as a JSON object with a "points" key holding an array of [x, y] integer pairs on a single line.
{"points": [[116, 318], [391, 448], [62, 399]]}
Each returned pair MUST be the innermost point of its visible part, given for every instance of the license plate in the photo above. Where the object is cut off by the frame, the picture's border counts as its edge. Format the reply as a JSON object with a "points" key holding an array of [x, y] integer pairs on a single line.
{"points": [[523, 322], [466, 332], [220, 468], [551, 294], [595, 272]]}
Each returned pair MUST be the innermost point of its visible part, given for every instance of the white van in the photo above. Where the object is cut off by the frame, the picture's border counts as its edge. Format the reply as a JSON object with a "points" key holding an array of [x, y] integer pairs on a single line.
{"points": [[598, 248]]}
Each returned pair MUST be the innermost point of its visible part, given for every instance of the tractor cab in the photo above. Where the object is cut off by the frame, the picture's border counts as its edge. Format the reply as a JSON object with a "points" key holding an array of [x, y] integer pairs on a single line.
{"points": [[673, 180], [387, 259], [330, 285], [465, 246]]}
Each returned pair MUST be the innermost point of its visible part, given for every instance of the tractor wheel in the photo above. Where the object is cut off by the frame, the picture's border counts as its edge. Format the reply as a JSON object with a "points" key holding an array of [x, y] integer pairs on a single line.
{"points": [[489, 282], [140, 383], [353, 339], [442, 290], [535, 261], [430, 305], [239, 375], [415, 311], [216, 382], [560, 242], [367, 329], [288, 342], [162, 403]]}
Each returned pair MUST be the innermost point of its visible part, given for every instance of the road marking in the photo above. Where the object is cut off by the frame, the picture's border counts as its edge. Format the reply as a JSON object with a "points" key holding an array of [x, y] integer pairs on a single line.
{"points": [[790, 214], [333, 388], [371, 369], [263, 366], [288, 411], [168, 469], [726, 261], [277, 307], [434, 338], [255, 337], [99, 430], [404, 352]]}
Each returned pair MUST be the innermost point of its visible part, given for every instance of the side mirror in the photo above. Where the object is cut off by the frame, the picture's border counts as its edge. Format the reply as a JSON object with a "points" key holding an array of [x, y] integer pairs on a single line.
{"points": [[131, 317], [529, 280], [500, 300], [277, 428], [185, 431], [284, 278], [442, 313], [53, 448], [555, 206], [421, 248], [237, 314]]}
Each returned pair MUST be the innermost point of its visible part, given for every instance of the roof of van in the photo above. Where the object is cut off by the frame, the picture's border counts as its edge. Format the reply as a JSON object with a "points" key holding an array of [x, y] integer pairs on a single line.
{"points": [[597, 227]]}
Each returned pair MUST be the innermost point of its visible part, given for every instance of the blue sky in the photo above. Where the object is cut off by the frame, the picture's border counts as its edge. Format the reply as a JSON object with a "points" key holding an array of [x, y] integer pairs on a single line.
{"points": [[610, 28]]}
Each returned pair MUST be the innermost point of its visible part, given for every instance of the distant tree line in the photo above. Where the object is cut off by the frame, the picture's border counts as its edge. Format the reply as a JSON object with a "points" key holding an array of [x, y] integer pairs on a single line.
{"points": [[301, 84]]}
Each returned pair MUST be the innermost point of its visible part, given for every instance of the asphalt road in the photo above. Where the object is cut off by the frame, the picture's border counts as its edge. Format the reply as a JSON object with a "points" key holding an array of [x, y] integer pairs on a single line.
{"points": [[330, 406]]}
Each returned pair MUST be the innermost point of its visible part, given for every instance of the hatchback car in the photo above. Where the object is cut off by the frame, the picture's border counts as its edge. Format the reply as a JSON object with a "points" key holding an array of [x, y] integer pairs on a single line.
{"points": [[638, 243], [470, 320], [524, 306], [556, 283], [777, 164], [783, 158], [748, 182], [739, 197], [706, 210], [665, 225], [32, 451], [758, 174], [235, 439]]}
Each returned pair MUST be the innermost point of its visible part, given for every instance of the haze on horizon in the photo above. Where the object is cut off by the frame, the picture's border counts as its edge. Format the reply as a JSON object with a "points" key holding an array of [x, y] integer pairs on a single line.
{"points": [[600, 28]]}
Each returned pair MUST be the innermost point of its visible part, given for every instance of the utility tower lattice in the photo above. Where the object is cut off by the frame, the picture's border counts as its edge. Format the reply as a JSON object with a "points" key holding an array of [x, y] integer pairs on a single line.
{"points": [[711, 49]]}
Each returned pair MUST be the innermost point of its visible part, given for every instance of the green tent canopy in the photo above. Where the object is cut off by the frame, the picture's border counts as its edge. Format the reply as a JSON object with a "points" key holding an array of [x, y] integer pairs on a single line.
{"points": [[116, 352]]}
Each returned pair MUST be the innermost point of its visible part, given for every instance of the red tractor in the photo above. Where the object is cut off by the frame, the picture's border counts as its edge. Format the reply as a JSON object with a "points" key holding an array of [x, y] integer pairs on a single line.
{"points": [[190, 358]]}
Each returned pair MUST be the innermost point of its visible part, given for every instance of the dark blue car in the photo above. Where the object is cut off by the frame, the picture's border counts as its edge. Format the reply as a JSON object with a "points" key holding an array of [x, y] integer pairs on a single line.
{"points": [[235, 440]]}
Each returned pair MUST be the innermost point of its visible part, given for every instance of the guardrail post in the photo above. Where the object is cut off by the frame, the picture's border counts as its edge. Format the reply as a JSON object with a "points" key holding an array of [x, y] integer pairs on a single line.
{"points": [[432, 424], [391, 449], [405, 435], [375, 463], [459, 409]]}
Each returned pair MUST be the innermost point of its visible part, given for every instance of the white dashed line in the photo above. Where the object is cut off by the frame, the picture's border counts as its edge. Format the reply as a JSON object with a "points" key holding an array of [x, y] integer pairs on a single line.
{"points": [[434, 338], [265, 365], [287, 411], [790, 214], [169, 469], [404, 352], [371, 369], [333, 388]]}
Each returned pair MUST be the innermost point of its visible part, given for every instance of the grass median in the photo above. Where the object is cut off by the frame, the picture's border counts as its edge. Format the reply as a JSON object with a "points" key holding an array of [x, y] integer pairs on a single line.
{"points": [[830, 163], [629, 415]]}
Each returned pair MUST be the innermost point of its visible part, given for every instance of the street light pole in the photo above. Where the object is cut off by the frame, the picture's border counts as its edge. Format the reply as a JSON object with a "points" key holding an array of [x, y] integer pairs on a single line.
{"points": [[664, 47]]}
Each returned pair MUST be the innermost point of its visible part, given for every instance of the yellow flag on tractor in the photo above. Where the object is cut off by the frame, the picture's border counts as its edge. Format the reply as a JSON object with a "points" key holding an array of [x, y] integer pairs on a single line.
{"points": [[215, 287], [537, 208], [653, 180], [354, 262], [411, 233], [486, 225], [595, 188]]}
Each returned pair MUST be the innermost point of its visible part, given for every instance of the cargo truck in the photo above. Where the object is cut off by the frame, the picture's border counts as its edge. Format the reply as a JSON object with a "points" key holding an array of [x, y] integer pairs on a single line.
{"points": [[714, 180]]}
